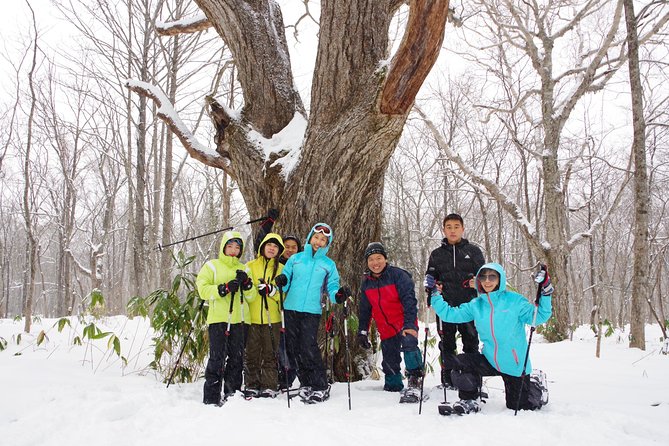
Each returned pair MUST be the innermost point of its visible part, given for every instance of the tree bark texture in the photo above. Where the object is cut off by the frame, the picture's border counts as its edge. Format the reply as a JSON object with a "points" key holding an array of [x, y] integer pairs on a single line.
{"points": [[349, 140], [641, 246]]}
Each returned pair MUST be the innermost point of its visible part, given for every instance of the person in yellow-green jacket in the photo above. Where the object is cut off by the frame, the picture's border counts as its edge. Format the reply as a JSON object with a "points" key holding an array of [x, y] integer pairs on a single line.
{"points": [[265, 320], [222, 282]]}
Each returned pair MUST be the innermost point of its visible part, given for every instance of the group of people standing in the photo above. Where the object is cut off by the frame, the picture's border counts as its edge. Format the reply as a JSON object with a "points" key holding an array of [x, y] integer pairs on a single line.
{"points": [[283, 285]]}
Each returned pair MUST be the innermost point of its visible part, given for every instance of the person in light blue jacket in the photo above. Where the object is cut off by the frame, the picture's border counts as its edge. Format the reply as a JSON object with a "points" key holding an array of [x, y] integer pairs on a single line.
{"points": [[306, 276], [500, 316]]}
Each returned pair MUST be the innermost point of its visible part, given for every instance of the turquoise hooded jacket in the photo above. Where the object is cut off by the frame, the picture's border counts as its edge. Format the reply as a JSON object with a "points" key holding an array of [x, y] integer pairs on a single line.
{"points": [[309, 275], [500, 319]]}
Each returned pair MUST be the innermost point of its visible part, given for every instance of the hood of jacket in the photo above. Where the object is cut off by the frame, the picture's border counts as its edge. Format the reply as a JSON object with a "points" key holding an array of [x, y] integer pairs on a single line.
{"points": [[330, 238], [227, 236], [274, 238], [502, 277]]}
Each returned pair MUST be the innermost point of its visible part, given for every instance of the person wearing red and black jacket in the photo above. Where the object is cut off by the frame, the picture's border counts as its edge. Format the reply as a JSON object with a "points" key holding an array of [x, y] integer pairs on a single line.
{"points": [[454, 264], [387, 295]]}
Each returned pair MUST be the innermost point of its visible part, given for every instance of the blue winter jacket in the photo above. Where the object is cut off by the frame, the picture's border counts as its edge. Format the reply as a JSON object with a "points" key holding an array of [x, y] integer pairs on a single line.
{"points": [[309, 275], [500, 319]]}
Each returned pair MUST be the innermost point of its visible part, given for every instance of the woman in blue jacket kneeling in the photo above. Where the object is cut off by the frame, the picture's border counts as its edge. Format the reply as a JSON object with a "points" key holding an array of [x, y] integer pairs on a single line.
{"points": [[500, 316]]}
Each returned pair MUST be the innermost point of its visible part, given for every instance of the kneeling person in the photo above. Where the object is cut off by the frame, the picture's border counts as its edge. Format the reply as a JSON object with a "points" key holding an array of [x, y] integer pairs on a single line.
{"points": [[387, 295]]}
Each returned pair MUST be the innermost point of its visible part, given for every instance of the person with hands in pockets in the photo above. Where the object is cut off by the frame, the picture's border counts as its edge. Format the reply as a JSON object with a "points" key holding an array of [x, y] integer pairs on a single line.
{"points": [[500, 316], [387, 295], [305, 276], [222, 282]]}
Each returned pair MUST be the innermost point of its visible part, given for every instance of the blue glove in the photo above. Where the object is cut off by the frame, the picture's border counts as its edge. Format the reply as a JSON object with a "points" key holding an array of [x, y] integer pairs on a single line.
{"points": [[429, 282]]}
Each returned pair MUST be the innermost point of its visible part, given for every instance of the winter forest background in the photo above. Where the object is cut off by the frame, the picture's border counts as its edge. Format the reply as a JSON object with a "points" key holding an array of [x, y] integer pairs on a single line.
{"points": [[525, 125]]}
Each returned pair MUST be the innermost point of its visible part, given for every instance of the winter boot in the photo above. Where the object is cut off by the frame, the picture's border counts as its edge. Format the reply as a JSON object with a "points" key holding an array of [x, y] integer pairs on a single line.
{"points": [[304, 392], [463, 407], [412, 393], [393, 383], [446, 382], [318, 396]]}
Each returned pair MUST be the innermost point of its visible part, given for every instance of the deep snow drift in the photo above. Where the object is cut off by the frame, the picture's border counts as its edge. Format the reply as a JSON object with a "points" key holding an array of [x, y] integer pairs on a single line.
{"points": [[60, 394]]}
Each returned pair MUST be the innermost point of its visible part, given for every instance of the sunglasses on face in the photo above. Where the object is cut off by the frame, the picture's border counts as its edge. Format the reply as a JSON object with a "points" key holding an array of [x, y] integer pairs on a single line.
{"points": [[489, 277], [323, 230]]}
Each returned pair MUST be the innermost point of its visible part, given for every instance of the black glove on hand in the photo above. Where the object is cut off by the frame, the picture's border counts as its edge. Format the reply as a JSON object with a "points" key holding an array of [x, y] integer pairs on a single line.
{"points": [[341, 295], [230, 287], [222, 290], [241, 275], [265, 289], [247, 284], [363, 340], [281, 280], [273, 213]]}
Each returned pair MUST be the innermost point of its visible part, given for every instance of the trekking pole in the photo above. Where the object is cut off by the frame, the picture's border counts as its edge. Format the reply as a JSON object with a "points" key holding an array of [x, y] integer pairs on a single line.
{"points": [[529, 342], [440, 332], [183, 347], [160, 247], [430, 271], [285, 349], [269, 323], [422, 378], [348, 353], [329, 340]]}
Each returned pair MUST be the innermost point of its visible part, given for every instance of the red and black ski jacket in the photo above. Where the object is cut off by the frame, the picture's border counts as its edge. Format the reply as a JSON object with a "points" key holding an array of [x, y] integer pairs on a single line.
{"points": [[391, 300]]}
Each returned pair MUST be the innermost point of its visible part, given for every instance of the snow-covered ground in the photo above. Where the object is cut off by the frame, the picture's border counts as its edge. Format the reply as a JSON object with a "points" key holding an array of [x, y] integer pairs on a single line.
{"points": [[60, 394]]}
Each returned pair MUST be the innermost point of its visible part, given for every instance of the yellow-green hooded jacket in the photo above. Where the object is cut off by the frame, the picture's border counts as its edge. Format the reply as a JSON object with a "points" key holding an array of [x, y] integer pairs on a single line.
{"points": [[263, 268], [219, 271]]}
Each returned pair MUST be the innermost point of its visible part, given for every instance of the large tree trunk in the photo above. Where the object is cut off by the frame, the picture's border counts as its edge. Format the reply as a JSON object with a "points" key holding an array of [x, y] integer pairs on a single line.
{"points": [[641, 193], [349, 139]]}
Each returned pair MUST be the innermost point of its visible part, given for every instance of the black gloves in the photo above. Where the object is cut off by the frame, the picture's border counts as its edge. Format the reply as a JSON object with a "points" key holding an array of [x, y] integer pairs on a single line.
{"points": [[363, 340], [230, 287], [281, 280], [341, 296], [273, 213], [244, 280]]}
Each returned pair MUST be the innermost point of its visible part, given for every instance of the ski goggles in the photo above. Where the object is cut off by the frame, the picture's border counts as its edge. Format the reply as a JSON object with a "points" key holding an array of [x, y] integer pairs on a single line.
{"points": [[492, 277], [323, 230]]}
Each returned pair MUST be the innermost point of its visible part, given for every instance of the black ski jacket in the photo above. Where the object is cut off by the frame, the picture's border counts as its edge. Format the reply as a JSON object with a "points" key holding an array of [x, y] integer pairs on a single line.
{"points": [[454, 265]]}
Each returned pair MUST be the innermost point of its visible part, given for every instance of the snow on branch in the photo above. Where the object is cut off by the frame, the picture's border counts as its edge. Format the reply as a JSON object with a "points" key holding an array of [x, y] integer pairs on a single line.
{"points": [[168, 114], [492, 188], [188, 25], [81, 268]]}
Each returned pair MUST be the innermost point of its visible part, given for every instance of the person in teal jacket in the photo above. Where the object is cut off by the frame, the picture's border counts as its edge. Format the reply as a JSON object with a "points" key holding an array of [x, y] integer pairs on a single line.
{"points": [[306, 276], [500, 316]]}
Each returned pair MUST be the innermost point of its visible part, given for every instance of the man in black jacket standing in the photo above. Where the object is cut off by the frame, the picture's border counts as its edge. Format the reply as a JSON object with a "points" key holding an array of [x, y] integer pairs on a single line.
{"points": [[454, 264]]}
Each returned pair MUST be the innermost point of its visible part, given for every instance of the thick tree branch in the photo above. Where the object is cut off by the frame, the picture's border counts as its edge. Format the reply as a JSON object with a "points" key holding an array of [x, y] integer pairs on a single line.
{"points": [[167, 113], [254, 32], [184, 26], [416, 55]]}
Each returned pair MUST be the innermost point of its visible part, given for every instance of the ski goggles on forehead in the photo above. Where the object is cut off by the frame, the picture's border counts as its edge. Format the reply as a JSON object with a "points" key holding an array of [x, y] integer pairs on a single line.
{"points": [[323, 230]]}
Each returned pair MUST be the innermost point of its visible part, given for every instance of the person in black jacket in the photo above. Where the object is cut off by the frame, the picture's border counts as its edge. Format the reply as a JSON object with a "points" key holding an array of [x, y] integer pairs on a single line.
{"points": [[454, 264], [387, 295]]}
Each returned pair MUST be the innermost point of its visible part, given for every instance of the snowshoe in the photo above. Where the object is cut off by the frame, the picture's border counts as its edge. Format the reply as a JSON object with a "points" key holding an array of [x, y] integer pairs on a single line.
{"points": [[446, 409], [538, 380], [251, 393], [318, 396], [304, 392], [411, 395], [268, 393], [463, 407]]}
